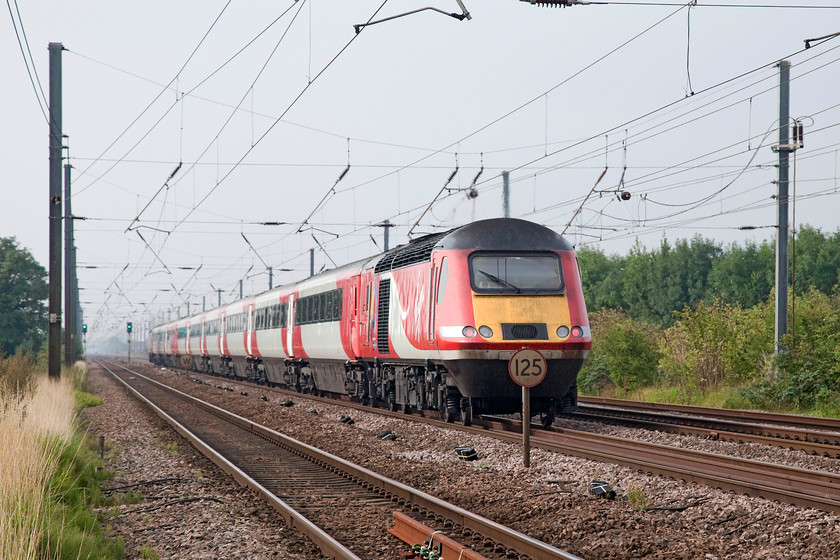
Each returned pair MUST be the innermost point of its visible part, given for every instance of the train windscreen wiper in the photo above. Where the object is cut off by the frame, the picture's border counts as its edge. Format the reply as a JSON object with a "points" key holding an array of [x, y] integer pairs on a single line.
{"points": [[499, 281]]}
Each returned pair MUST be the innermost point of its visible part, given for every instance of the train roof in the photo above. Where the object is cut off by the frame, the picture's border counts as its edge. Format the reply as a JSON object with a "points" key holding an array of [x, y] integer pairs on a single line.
{"points": [[495, 234], [504, 234]]}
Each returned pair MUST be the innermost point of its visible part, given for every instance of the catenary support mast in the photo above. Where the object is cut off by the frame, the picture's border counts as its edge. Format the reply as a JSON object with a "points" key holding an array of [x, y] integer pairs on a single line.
{"points": [[54, 306], [784, 150]]}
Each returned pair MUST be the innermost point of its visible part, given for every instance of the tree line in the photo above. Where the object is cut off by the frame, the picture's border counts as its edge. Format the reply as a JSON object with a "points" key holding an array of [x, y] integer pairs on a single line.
{"points": [[695, 320], [650, 285]]}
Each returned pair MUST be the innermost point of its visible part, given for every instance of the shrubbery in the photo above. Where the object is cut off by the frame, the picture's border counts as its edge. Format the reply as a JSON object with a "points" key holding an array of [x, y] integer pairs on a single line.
{"points": [[624, 354], [694, 321], [716, 346]]}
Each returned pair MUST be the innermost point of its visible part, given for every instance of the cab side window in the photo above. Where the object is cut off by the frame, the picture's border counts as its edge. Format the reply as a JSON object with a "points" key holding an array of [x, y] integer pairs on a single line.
{"points": [[443, 279]]}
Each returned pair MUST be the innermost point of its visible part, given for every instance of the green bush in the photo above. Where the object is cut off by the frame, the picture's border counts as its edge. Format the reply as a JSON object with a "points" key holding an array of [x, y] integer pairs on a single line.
{"points": [[809, 368], [716, 343], [624, 353]]}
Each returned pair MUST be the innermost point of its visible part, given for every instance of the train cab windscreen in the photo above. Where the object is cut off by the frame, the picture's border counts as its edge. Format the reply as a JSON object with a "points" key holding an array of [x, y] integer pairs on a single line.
{"points": [[516, 273]]}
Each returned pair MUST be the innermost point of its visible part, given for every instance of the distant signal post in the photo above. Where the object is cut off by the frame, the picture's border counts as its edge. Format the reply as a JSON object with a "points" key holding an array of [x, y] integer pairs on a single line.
{"points": [[128, 330], [527, 368]]}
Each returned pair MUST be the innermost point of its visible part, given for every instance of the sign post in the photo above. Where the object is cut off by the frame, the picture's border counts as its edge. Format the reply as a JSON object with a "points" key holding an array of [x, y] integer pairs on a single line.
{"points": [[527, 368]]}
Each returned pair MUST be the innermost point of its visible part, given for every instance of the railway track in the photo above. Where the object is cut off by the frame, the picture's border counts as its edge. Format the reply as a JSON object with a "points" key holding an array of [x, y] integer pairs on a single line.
{"points": [[343, 508], [817, 436], [801, 487]]}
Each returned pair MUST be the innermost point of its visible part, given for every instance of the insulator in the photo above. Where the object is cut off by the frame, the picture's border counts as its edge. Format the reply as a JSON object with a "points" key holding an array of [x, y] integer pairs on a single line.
{"points": [[556, 3]]}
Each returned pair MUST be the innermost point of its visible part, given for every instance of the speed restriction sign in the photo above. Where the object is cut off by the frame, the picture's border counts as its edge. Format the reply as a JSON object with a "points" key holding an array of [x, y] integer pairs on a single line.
{"points": [[527, 367]]}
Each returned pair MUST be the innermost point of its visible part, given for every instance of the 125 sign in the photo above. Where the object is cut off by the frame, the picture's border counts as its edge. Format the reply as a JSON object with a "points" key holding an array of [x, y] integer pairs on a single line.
{"points": [[527, 367]]}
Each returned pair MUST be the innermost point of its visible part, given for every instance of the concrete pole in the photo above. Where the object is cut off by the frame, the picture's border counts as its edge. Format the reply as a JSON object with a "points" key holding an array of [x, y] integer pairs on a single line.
{"points": [[782, 206], [506, 194], [69, 295], [54, 331]]}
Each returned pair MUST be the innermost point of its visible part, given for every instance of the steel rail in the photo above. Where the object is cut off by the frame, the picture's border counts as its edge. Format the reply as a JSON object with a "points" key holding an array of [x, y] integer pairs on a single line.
{"points": [[518, 542], [802, 487], [756, 416], [799, 487], [326, 543], [713, 429]]}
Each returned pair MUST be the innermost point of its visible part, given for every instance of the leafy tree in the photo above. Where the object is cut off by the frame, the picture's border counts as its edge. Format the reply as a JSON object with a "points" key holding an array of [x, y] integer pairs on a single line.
{"points": [[817, 261], [743, 276], [602, 277], [23, 290]]}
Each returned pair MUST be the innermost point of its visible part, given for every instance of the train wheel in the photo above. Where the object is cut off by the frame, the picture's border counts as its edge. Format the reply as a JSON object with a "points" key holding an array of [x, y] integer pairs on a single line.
{"points": [[547, 417], [448, 415], [466, 411]]}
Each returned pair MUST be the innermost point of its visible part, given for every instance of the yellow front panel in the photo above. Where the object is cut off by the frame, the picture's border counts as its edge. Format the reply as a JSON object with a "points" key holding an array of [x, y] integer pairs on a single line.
{"points": [[493, 310]]}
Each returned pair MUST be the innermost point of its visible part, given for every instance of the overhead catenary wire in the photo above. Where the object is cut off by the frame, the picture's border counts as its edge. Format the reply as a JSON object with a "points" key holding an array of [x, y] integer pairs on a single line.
{"points": [[151, 103], [279, 118], [28, 61]]}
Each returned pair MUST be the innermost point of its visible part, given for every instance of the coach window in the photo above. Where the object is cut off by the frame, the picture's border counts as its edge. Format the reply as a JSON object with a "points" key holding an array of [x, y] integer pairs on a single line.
{"points": [[443, 279], [327, 315], [337, 305]]}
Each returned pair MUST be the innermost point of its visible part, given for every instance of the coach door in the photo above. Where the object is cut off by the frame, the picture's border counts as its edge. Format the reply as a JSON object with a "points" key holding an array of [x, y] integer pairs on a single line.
{"points": [[365, 313], [438, 279], [290, 323], [355, 317]]}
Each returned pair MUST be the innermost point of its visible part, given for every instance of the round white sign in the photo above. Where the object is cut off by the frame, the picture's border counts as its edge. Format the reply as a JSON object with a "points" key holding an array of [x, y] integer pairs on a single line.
{"points": [[527, 367]]}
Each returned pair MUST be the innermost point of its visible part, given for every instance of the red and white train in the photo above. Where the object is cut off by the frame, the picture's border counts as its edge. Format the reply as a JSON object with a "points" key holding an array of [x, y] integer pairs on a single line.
{"points": [[428, 325]]}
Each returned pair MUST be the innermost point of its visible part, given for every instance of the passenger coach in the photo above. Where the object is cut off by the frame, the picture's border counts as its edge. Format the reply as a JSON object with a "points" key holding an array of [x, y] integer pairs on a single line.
{"points": [[428, 325]]}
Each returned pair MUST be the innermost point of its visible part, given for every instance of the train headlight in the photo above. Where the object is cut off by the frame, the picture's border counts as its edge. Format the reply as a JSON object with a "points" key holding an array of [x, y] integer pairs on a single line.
{"points": [[577, 332], [469, 332], [562, 331], [485, 331]]}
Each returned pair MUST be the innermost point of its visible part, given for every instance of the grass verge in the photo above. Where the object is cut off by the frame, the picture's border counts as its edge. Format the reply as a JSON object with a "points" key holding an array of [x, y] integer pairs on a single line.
{"points": [[49, 474]]}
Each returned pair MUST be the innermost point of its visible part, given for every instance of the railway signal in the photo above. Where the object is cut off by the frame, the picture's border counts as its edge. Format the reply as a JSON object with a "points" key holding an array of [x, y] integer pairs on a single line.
{"points": [[128, 330]]}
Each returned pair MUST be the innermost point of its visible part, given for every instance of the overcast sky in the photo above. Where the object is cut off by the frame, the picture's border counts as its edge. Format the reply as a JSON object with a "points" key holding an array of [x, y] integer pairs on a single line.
{"points": [[261, 106]]}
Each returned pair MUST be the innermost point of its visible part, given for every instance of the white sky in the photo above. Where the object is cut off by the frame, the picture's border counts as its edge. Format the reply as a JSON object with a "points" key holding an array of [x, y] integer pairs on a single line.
{"points": [[553, 95]]}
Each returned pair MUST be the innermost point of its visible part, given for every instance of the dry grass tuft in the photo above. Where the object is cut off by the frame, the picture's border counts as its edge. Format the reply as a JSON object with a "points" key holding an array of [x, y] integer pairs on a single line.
{"points": [[33, 412]]}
